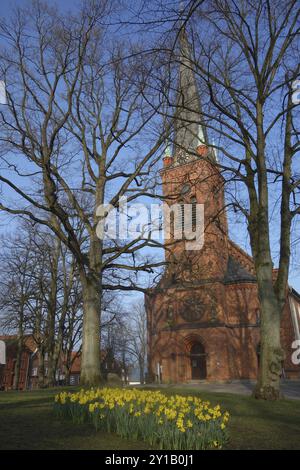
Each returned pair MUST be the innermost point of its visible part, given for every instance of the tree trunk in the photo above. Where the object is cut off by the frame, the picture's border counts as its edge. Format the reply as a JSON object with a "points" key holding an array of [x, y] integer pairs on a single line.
{"points": [[51, 366], [271, 354], [67, 373], [90, 360], [18, 362], [52, 306], [41, 368], [19, 347], [55, 356]]}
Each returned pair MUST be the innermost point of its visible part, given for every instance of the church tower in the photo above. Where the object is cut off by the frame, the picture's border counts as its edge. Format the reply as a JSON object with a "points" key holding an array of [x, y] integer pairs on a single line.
{"points": [[203, 315], [190, 176]]}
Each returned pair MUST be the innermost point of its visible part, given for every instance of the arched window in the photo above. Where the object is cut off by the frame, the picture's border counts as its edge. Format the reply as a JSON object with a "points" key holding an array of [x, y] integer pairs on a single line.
{"points": [[194, 212], [181, 216]]}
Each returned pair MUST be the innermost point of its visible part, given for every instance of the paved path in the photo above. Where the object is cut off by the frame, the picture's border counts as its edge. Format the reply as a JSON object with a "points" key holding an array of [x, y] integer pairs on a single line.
{"points": [[290, 388]]}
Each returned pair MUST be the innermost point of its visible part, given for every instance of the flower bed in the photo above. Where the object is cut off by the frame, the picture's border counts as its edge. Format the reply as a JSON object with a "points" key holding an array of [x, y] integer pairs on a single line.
{"points": [[165, 422]]}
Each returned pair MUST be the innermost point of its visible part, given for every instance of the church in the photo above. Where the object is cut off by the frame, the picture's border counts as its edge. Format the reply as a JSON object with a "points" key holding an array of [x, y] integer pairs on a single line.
{"points": [[203, 316]]}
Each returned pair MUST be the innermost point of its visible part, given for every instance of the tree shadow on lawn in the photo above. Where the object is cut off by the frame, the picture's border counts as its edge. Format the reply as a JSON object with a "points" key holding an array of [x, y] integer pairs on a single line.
{"points": [[28, 421], [22, 398], [24, 404], [264, 425], [41, 429]]}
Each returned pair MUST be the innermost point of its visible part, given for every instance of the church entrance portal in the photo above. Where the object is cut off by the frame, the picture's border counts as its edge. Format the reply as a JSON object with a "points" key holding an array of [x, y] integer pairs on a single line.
{"points": [[198, 361]]}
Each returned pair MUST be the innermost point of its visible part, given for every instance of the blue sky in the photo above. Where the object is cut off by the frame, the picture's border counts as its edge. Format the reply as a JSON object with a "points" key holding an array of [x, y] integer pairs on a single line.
{"points": [[8, 5], [237, 230]]}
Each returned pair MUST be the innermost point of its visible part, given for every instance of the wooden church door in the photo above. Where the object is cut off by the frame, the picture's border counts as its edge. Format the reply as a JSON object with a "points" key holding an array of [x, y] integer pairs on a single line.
{"points": [[198, 362]]}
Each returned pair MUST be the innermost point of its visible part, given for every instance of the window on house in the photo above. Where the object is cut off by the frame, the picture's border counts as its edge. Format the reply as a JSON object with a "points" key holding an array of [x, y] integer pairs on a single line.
{"points": [[34, 371], [72, 380]]}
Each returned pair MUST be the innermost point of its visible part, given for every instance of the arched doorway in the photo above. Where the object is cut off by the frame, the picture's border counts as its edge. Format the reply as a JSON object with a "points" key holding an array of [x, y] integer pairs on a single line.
{"points": [[198, 361]]}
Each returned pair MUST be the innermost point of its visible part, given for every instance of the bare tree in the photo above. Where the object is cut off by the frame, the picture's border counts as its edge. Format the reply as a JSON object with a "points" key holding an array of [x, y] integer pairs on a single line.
{"points": [[136, 332], [124, 334], [40, 296], [77, 124], [17, 285], [245, 57]]}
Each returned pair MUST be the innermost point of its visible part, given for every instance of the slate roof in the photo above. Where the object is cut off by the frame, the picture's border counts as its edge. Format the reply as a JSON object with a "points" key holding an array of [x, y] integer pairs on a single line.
{"points": [[236, 272]]}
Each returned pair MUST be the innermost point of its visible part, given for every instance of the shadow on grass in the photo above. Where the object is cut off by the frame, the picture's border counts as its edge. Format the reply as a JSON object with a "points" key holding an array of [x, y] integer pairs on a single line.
{"points": [[28, 422], [44, 430]]}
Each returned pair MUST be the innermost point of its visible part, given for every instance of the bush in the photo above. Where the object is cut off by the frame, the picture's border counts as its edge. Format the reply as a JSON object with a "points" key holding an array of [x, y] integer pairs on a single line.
{"points": [[165, 422]]}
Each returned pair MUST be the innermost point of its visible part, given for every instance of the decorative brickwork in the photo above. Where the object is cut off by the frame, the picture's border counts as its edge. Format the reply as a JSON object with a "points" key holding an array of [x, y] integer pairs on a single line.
{"points": [[207, 300], [203, 316]]}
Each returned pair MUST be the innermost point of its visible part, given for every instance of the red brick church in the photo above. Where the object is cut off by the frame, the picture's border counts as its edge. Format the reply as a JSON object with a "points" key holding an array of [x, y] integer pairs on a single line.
{"points": [[203, 316]]}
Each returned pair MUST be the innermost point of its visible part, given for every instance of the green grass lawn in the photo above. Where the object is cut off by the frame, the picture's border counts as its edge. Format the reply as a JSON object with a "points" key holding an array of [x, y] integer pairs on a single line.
{"points": [[27, 421]]}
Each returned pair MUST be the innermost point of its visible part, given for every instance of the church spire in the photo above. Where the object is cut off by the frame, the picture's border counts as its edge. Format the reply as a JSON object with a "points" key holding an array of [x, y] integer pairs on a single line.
{"points": [[189, 134]]}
